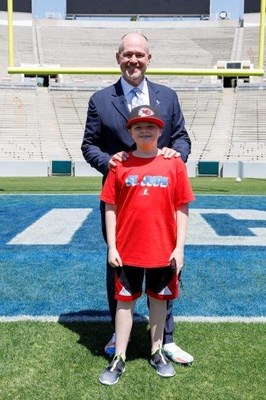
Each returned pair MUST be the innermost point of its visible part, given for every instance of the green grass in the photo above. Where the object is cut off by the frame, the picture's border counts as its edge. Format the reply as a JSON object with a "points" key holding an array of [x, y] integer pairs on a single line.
{"points": [[93, 185], [63, 361], [63, 184]]}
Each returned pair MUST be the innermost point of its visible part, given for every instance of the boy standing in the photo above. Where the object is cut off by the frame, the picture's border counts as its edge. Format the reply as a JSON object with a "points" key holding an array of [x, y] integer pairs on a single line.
{"points": [[146, 200]]}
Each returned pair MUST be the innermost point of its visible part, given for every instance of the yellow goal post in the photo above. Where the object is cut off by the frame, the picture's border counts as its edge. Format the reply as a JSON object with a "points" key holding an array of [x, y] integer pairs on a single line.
{"points": [[47, 70]]}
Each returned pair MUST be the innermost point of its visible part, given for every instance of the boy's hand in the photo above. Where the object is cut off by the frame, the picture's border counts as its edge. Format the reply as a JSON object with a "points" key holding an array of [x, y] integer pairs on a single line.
{"points": [[114, 258], [177, 259]]}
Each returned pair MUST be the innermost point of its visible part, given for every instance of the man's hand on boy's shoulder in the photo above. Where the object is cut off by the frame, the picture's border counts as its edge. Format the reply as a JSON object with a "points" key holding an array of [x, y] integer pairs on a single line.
{"points": [[169, 153], [120, 156]]}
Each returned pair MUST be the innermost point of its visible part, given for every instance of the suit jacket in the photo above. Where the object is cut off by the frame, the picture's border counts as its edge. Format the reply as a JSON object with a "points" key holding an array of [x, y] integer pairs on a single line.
{"points": [[106, 132]]}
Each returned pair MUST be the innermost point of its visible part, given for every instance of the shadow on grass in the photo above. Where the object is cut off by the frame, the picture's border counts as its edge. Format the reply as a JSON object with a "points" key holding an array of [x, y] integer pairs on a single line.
{"points": [[210, 191], [94, 335]]}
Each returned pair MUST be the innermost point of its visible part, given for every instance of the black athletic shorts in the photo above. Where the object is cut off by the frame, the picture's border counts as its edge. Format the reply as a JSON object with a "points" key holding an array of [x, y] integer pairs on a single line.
{"points": [[160, 283]]}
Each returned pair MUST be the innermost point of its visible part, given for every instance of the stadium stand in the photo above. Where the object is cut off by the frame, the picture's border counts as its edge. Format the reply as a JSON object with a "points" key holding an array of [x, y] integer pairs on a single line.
{"points": [[248, 133], [38, 123], [29, 129]]}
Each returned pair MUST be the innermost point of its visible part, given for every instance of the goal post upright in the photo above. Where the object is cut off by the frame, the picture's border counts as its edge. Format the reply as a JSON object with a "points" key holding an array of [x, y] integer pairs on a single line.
{"points": [[261, 34], [10, 34]]}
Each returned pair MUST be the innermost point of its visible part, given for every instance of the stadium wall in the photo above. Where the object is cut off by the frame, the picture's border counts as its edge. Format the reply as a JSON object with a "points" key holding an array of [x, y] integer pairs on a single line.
{"points": [[230, 169]]}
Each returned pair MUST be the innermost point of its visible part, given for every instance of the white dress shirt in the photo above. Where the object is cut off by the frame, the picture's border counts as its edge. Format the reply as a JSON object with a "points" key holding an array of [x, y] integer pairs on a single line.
{"points": [[143, 93]]}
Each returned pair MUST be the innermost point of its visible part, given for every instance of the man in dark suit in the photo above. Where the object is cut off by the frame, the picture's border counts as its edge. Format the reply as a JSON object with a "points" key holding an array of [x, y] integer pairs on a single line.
{"points": [[107, 140]]}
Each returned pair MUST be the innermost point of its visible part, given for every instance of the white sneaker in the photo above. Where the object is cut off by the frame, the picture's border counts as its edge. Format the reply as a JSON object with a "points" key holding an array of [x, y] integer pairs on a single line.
{"points": [[112, 373], [177, 355]]}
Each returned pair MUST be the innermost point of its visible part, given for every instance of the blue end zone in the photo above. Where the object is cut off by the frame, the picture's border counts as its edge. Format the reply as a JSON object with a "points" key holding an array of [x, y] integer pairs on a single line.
{"points": [[69, 279]]}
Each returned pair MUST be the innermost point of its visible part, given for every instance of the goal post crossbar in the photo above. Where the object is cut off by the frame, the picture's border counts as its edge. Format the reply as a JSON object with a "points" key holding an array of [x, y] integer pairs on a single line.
{"points": [[45, 70], [39, 70]]}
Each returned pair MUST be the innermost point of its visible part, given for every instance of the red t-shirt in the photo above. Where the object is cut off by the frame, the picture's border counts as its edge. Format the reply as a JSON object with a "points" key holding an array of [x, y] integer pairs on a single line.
{"points": [[147, 192]]}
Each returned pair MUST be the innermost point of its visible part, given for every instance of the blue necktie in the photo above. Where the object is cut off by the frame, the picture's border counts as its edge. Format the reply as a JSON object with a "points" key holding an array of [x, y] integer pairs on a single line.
{"points": [[136, 98]]}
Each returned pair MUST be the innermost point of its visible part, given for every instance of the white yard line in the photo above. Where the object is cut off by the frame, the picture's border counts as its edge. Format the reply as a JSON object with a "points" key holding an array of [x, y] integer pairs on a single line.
{"points": [[86, 318]]}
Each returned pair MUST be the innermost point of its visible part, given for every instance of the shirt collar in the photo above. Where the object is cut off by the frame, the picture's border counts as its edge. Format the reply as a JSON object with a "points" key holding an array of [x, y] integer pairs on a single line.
{"points": [[127, 87]]}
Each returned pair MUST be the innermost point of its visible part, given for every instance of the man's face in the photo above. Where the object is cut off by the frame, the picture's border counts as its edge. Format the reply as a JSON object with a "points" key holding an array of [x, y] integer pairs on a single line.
{"points": [[134, 58]]}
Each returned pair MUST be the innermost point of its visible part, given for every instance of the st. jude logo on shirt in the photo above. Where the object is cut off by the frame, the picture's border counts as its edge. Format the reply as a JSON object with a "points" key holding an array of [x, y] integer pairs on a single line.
{"points": [[147, 180]]}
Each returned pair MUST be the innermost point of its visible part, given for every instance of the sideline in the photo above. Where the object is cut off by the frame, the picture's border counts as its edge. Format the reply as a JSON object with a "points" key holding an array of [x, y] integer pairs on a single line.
{"points": [[84, 318]]}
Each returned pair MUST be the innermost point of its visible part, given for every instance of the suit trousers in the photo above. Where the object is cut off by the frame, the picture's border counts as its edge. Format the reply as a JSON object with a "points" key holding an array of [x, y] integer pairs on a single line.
{"points": [[112, 302]]}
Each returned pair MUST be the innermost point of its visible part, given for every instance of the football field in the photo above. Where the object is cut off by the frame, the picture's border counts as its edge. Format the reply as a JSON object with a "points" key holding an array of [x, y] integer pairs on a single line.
{"points": [[52, 263], [53, 259]]}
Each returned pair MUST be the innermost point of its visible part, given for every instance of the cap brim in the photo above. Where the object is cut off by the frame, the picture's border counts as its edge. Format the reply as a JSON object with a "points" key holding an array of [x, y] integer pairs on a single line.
{"points": [[152, 120]]}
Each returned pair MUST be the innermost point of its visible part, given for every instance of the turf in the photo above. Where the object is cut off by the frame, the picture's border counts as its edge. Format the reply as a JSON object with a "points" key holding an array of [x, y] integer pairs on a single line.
{"points": [[54, 361], [63, 184], [67, 184], [63, 361]]}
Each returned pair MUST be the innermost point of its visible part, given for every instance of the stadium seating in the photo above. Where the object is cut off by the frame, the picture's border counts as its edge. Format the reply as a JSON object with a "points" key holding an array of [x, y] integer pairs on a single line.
{"points": [[47, 123]]}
